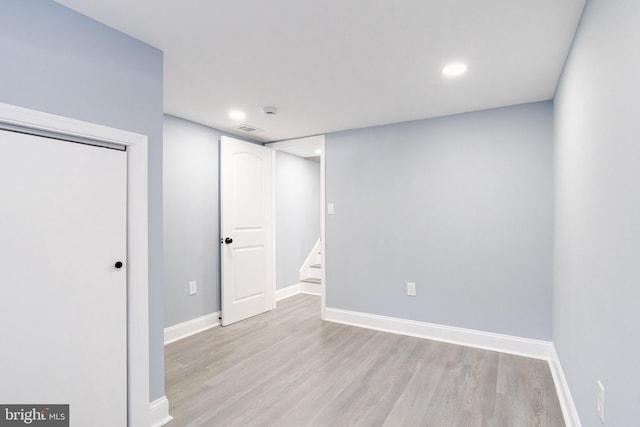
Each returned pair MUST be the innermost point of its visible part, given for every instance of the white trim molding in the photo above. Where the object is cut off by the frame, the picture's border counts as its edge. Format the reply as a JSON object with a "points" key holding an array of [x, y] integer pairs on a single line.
{"points": [[274, 252], [323, 228], [536, 349], [191, 327], [311, 288], [569, 410], [298, 288], [159, 412], [137, 239], [287, 292]]}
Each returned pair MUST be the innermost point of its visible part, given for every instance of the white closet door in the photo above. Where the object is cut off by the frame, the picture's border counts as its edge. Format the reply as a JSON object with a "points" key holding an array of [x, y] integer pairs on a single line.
{"points": [[62, 298]]}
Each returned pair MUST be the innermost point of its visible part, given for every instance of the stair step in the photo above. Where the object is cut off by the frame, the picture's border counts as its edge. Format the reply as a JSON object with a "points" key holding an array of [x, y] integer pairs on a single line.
{"points": [[316, 266], [312, 280]]}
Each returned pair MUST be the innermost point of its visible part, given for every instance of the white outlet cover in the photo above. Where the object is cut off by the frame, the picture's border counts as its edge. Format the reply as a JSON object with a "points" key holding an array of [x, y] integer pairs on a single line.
{"points": [[193, 288], [330, 209], [411, 289]]}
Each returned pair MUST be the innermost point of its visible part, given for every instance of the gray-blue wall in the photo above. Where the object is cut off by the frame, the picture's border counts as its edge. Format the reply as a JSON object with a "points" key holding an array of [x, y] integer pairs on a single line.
{"points": [[461, 205], [191, 219], [58, 61], [297, 214], [597, 268], [191, 229]]}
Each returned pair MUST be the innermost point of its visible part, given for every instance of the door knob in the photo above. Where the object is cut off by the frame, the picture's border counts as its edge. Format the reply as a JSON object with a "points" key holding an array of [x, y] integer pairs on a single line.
{"points": [[118, 265], [228, 240]]}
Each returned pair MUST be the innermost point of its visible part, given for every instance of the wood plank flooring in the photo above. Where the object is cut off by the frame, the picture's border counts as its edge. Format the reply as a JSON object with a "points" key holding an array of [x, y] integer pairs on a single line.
{"points": [[288, 368]]}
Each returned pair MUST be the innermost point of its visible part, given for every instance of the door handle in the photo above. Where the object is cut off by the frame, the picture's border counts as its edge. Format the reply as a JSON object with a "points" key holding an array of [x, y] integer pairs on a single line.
{"points": [[228, 240]]}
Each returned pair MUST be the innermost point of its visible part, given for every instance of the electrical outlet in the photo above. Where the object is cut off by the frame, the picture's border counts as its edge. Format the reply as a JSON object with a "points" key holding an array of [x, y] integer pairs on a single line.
{"points": [[411, 289], [193, 288], [600, 401]]}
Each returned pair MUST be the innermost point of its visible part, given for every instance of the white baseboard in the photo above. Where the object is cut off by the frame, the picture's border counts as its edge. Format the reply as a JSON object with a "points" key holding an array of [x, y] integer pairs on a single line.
{"points": [[468, 337], [191, 327], [569, 411], [287, 292], [310, 288], [159, 412]]}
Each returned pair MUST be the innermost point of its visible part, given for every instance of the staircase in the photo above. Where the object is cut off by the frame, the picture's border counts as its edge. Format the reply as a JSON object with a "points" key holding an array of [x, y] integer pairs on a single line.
{"points": [[311, 272]]}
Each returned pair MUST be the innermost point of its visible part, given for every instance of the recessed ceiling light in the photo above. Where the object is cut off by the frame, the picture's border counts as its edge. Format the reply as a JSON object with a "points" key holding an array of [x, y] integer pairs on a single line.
{"points": [[237, 115], [318, 151], [455, 69]]}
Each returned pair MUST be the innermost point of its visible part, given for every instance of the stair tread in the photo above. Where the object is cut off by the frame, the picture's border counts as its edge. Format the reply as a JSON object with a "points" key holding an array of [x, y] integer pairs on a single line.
{"points": [[316, 266], [312, 280]]}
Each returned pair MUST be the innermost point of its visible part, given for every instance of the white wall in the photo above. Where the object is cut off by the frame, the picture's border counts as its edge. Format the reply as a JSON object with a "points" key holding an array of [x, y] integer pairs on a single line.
{"points": [[597, 268], [297, 214], [461, 205]]}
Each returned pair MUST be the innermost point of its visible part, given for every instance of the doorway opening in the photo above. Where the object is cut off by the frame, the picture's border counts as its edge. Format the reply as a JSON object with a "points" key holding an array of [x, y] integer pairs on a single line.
{"points": [[296, 225]]}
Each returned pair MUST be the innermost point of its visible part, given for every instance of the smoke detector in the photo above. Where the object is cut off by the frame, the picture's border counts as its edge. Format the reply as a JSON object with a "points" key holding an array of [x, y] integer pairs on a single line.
{"points": [[269, 111]]}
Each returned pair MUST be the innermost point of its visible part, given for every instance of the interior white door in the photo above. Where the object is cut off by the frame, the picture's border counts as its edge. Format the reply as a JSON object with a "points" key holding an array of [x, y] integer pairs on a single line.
{"points": [[63, 224], [246, 230]]}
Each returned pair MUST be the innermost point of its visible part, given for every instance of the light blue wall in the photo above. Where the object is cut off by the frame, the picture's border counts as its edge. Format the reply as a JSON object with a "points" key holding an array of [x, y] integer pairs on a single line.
{"points": [[461, 205], [191, 206], [191, 220], [297, 214], [597, 268], [55, 60]]}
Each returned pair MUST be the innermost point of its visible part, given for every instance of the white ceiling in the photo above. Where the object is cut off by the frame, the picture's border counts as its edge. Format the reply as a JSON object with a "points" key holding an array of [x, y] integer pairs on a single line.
{"points": [[331, 65]]}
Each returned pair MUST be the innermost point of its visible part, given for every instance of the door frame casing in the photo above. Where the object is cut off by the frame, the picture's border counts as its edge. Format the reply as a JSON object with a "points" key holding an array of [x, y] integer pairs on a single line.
{"points": [[137, 239], [317, 141]]}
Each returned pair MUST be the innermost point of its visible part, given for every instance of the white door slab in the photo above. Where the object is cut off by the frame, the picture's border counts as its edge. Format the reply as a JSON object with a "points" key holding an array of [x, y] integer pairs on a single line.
{"points": [[63, 302], [246, 230]]}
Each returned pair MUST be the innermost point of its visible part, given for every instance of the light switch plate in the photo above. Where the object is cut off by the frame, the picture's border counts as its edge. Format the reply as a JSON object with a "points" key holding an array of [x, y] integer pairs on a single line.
{"points": [[330, 209]]}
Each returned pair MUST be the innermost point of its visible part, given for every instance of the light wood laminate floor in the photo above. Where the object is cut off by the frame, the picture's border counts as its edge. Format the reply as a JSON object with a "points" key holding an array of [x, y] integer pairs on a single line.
{"points": [[288, 368]]}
